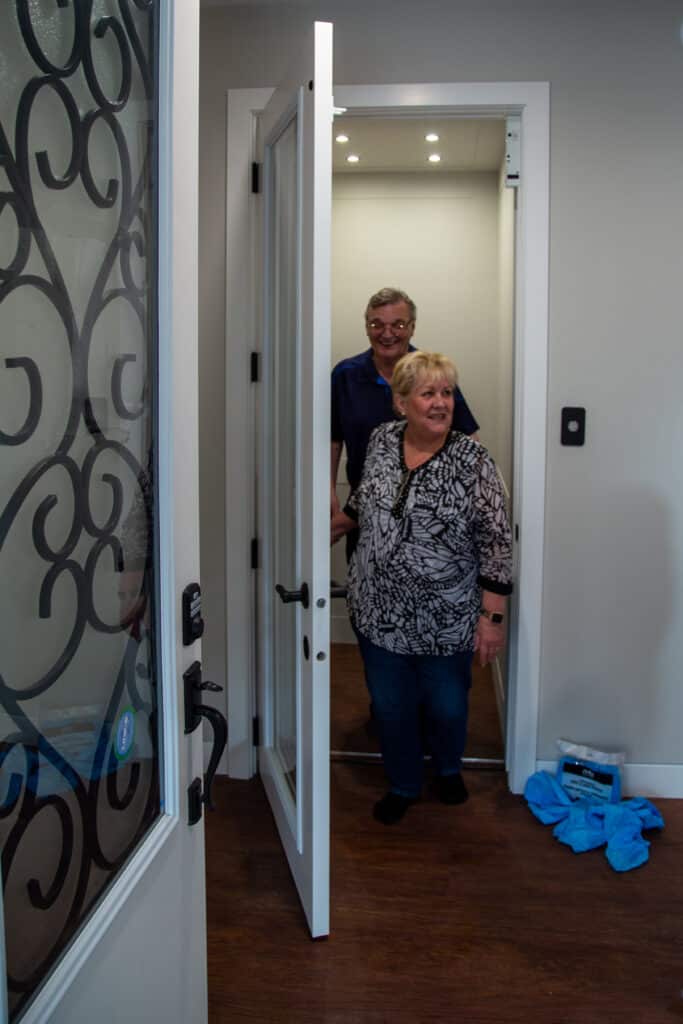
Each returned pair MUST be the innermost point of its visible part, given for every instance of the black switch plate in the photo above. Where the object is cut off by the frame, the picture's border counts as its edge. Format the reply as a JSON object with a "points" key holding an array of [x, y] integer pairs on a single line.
{"points": [[573, 425]]}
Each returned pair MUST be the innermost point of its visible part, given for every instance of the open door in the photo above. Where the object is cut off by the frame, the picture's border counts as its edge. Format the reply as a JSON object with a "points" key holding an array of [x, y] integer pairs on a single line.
{"points": [[103, 874], [293, 472]]}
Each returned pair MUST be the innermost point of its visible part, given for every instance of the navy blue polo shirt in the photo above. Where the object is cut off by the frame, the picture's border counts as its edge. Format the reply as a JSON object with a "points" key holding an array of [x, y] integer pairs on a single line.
{"points": [[361, 400]]}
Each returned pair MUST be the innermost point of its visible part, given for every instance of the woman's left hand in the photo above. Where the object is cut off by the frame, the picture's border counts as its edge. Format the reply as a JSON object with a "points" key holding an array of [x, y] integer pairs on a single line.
{"points": [[489, 640]]}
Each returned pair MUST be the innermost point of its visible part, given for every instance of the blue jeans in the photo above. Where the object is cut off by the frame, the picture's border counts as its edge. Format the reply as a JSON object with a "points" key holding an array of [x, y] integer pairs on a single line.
{"points": [[412, 692]]}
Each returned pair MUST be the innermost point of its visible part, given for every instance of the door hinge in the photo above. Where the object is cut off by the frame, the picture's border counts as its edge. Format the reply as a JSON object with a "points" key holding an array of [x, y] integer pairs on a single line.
{"points": [[255, 178], [254, 552], [256, 731], [255, 368]]}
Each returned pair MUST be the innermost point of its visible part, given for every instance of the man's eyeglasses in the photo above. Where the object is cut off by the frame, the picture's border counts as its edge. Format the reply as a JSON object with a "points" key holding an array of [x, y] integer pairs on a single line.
{"points": [[396, 325]]}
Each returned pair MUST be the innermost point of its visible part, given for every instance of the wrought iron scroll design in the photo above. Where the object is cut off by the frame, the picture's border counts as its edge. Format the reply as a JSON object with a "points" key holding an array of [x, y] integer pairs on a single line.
{"points": [[129, 192]]}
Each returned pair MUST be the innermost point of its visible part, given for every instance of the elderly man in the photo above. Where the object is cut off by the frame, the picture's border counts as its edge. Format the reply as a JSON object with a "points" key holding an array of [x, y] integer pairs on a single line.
{"points": [[361, 388]]}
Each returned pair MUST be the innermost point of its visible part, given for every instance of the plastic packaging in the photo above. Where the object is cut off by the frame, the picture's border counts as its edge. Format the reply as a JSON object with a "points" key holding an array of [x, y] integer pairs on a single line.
{"points": [[586, 772]]}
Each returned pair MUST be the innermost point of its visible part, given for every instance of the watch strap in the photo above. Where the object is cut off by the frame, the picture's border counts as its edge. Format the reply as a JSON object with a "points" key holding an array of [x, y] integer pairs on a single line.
{"points": [[496, 617]]}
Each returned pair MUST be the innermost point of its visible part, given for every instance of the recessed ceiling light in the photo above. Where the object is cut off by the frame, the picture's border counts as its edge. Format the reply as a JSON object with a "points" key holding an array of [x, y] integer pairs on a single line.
{"points": [[352, 158], [342, 138], [434, 158], [431, 137]]}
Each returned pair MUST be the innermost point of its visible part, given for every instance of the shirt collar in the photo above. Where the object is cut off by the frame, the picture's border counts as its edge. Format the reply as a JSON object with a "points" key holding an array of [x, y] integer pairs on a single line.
{"points": [[369, 370]]}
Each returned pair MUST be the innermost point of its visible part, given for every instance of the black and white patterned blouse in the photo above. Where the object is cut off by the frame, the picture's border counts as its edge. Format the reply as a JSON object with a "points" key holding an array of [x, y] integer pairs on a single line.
{"points": [[430, 538]]}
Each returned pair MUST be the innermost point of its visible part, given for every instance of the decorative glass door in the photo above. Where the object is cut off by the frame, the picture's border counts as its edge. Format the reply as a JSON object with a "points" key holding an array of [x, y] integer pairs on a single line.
{"points": [[80, 757]]}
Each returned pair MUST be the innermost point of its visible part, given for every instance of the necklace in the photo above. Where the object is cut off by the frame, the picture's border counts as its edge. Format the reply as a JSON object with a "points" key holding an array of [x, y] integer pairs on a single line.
{"points": [[408, 472]]}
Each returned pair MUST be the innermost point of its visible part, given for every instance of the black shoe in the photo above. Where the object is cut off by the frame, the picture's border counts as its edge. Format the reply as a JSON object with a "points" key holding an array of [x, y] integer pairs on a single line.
{"points": [[450, 789], [392, 807]]}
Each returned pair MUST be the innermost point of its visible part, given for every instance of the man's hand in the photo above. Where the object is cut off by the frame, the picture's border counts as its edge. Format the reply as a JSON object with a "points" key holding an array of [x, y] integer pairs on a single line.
{"points": [[341, 524], [335, 456]]}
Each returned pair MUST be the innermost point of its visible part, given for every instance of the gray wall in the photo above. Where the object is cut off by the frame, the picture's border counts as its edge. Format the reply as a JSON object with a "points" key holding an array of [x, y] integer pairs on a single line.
{"points": [[612, 607]]}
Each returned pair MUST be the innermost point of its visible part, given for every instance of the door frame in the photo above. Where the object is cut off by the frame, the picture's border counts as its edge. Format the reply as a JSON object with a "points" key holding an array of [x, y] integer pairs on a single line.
{"points": [[178, 503], [530, 100]]}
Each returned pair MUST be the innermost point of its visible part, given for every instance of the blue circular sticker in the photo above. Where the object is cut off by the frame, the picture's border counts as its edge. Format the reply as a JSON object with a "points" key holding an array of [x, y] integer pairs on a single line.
{"points": [[125, 734]]}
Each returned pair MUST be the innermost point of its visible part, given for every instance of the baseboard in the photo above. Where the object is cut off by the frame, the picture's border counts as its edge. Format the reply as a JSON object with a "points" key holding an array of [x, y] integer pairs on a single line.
{"points": [[652, 780]]}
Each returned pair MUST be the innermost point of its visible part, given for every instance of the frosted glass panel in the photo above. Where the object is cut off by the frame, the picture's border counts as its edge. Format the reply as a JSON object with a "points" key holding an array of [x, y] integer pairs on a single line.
{"points": [[284, 355], [79, 757]]}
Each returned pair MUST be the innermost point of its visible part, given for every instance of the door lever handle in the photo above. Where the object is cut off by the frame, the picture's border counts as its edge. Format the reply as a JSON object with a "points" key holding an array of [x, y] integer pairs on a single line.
{"points": [[287, 596], [194, 712]]}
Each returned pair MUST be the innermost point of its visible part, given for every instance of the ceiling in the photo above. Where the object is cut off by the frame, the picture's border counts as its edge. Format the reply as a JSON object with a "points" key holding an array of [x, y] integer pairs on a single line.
{"points": [[398, 144]]}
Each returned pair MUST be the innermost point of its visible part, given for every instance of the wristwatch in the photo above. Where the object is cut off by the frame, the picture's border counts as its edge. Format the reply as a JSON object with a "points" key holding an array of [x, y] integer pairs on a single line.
{"points": [[496, 617]]}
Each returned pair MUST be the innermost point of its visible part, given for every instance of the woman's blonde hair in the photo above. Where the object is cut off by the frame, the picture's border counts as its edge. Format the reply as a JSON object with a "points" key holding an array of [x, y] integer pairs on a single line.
{"points": [[415, 367]]}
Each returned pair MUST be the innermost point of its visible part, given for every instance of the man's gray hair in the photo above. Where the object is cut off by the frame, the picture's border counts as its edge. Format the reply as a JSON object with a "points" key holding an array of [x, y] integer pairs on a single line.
{"points": [[388, 297]]}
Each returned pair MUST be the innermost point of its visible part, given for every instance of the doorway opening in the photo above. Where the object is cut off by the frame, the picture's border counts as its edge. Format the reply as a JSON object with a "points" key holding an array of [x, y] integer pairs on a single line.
{"points": [[529, 101], [421, 203]]}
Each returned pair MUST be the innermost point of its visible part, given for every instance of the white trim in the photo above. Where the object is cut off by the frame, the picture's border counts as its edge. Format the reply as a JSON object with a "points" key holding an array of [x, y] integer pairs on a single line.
{"points": [[165, 483], [117, 897], [457, 98], [532, 101], [499, 692], [242, 104], [4, 1013], [664, 781]]}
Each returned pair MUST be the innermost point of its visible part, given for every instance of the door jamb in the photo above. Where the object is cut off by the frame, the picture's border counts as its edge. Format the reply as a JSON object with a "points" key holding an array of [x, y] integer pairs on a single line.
{"points": [[532, 101]]}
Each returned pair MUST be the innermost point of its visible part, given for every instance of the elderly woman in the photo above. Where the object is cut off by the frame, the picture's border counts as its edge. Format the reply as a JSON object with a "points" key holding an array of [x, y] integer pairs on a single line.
{"points": [[428, 582]]}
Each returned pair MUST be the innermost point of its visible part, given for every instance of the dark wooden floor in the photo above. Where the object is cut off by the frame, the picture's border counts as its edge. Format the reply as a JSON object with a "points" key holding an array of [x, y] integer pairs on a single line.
{"points": [[470, 914], [350, 728]]}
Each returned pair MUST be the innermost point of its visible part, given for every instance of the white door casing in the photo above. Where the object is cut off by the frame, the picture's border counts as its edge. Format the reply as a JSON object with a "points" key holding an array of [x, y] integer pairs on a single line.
{"points": [[142, 953], [295, 130], [531, 101]]}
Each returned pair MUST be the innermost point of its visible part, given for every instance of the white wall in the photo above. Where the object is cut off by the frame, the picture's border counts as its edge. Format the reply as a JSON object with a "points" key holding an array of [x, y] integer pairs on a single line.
{"points": [[612, 605]]}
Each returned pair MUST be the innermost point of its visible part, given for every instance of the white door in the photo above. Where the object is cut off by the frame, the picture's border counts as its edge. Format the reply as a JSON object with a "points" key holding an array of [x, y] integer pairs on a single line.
{"points": [[293, 475], [104, 899]]}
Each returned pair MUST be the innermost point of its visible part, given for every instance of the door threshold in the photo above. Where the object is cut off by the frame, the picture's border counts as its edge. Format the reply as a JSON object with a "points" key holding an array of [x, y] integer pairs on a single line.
{"points": [[368, 757]]}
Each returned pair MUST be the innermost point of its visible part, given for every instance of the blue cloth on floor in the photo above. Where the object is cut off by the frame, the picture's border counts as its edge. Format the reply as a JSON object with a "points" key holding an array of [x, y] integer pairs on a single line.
{"points": [[586, 824]]}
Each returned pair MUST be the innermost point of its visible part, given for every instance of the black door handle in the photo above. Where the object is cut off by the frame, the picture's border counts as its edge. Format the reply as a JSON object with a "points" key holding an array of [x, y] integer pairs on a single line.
{"points": [[194, 712], [287, 596]]}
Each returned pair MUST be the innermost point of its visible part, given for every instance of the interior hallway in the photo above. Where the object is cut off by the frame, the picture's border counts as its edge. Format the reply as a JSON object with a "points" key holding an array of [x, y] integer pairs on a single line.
{"points": [[471, 914]]}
